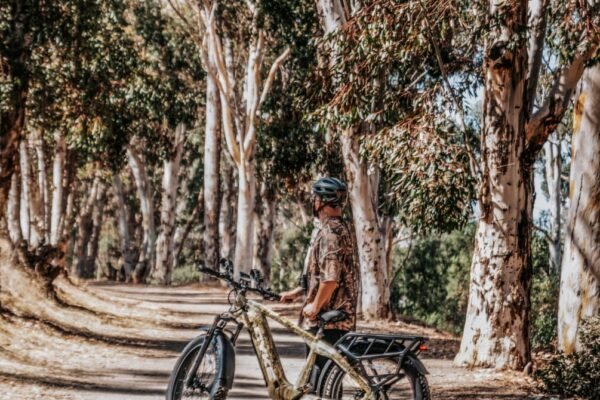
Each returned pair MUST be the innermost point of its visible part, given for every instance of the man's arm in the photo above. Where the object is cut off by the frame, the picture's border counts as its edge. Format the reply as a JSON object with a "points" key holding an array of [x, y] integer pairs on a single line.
{"points": [[326, 289], [291, 295]]}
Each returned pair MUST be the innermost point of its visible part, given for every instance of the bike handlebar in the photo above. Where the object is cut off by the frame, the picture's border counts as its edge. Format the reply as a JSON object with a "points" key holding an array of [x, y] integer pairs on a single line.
{"points": [[265, 293]]}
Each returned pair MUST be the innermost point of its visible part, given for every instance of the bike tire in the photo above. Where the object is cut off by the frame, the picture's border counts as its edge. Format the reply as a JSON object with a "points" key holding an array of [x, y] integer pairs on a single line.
{"points": [[215, 391], [329, 385]]}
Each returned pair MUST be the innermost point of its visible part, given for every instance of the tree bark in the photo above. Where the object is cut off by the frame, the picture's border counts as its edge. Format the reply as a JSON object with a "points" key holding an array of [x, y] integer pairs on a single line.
{"points": [[58, 171], [371, 231], [212, 184], [25, 191], [244, 238], [147, 252], [227, 214], [43, 201], [496, 332], [580, 276], [265, 215], [12, 214], [170, 183], [91, 255], [85, 227], [553, 168], [123, 227]]}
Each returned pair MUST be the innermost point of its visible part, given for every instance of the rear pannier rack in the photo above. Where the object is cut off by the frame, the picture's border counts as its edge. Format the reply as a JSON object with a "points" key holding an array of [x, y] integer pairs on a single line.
{"points": [[364, 350]]}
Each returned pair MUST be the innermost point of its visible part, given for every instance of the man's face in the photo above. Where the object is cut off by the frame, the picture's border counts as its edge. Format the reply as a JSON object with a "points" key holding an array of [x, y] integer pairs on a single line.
{"points": [[316, 205]]}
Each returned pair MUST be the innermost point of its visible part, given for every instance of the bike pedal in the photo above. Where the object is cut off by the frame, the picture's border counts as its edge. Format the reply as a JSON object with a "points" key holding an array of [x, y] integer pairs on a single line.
{"points": [[303, 390]]}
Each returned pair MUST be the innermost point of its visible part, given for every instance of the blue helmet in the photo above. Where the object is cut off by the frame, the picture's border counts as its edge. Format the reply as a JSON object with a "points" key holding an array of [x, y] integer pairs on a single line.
{"points": [[332, 191]]}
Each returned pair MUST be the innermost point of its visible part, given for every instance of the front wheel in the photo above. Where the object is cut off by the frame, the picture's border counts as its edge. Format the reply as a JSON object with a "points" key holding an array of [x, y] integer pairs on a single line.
{"points": [[334, 384], [207, 383]]}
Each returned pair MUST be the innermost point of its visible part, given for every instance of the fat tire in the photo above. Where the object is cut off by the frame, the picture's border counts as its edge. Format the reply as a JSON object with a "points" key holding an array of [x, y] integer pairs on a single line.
{"points": [[217, 392], [329, 385]]}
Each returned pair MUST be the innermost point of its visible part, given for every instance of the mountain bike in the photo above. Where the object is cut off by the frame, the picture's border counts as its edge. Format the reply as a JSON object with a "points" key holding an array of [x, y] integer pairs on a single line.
{"points": [[359, 366]]}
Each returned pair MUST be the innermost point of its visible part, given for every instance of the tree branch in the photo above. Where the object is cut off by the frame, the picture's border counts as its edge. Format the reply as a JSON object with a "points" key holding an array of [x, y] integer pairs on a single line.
{"points": [[537, 30], [545, 120]]}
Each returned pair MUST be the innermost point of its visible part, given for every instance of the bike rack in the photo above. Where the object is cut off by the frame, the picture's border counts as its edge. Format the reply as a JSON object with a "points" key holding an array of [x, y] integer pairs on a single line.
{"points": [[363, 348]]}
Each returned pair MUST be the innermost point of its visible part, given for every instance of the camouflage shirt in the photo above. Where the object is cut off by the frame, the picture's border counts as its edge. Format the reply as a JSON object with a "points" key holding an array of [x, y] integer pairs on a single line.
{"points": [[331, 258]]}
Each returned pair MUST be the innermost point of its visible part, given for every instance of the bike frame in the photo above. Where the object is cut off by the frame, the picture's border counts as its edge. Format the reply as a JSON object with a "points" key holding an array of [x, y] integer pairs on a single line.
{"points": [[255, 319]]}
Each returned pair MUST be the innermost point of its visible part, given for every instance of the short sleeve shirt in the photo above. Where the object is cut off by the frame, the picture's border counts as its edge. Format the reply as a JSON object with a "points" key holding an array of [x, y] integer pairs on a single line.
{"points": [[331, 259]]}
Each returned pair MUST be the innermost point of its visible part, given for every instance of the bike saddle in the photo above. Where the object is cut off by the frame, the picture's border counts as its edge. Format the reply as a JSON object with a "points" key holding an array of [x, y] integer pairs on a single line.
{"points": [[332, 316]]}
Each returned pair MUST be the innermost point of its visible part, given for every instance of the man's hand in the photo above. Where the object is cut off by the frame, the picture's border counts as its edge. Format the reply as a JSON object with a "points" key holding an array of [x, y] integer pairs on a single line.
{"points": [[310, 311], [290, 295]]}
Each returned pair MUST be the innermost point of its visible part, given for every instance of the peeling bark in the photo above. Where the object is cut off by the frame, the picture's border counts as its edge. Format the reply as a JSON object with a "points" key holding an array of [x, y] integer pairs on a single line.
{"points": [[580, 277], [496, 332], [371, 230], [170, 183]]}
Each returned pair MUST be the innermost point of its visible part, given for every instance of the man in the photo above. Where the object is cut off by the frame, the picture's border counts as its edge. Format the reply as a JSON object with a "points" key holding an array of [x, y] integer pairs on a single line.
{"points": [[331, 275]]}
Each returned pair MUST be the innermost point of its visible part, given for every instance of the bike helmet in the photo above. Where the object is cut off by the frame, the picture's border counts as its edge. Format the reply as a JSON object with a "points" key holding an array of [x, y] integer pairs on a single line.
{"points": [[332, 191]]}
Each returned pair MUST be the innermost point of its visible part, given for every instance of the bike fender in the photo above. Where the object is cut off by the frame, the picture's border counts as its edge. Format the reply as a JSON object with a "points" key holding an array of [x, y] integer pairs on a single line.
{"points": [[227, 369], [418, 364]]}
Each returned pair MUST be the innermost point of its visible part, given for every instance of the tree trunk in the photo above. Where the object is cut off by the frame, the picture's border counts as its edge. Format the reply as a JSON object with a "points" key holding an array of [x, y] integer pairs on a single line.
{"points": [[58, 171], [91, 254], [85, 227], [371, 232], [42, 185], [496, 332], [12, 214], [580, 277], [170, 183], [553, 167], [25, 191], [123, 227], [244, 238], [212, 185], [227, 214], [147, 256], [264, 223]]}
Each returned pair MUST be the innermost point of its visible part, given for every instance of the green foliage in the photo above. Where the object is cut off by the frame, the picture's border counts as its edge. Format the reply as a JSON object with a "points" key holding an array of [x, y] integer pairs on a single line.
{"points": [[431, 279], [289, 260], [544, 295], [577, 374], [185, 275], [428, 182]]}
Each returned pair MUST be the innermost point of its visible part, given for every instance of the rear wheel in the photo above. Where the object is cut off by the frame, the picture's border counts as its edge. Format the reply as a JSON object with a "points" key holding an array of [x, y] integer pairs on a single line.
{"points": [[410, 384], [206, 385]]}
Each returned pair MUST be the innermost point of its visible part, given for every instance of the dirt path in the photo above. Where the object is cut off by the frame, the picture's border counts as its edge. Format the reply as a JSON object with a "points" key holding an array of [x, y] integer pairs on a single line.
{"points": [[37, 362]]}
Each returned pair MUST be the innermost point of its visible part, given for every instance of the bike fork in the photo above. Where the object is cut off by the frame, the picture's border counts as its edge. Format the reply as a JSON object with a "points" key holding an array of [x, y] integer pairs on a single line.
{"points": [[189, 379]]}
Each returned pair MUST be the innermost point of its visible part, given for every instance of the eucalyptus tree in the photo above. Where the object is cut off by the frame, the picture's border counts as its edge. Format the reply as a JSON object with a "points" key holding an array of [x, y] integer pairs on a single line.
{"points": [[383, 97], [580, 272], [515, 127]]}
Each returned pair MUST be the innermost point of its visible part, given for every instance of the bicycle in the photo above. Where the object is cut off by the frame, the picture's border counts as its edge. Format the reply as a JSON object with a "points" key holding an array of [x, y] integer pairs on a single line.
{"points": [[206, 367]]}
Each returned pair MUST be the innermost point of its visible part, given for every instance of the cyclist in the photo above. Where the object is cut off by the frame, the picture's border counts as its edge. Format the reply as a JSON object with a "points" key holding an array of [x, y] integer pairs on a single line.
{"points": [[330, 279]]}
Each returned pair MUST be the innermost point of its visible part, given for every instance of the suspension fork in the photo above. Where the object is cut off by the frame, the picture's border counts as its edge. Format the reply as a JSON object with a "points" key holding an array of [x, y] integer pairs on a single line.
{"points": [[218, 323]]}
